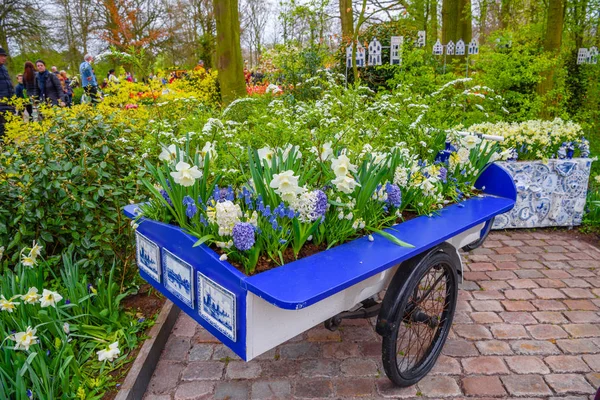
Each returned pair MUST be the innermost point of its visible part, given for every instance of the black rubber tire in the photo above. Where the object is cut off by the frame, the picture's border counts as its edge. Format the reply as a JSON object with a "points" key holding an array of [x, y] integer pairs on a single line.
{"points": [[406, 313]]}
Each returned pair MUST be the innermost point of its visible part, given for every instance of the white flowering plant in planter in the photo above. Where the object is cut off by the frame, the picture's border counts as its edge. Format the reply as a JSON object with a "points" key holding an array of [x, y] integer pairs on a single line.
{"points": [[283, 204], [537, 139]]}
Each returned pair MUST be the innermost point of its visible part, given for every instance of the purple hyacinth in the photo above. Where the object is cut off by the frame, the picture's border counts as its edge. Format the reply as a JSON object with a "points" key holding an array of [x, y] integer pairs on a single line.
{"points": [[165, 196], [394, 195], [243, 236], [443, 174], [320, 204]]}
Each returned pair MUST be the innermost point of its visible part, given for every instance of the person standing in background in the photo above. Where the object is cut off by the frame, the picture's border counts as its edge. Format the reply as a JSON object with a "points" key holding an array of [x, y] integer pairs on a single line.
{"points": [[19, 89], [68, 89], [47, 84], [88, 79], [6, 91], [29, 83]]}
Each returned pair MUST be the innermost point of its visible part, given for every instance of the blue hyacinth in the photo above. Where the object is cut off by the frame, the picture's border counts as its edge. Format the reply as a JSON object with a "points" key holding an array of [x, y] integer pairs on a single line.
{"points": [[243, 236], [320, 203], [165, 196], [394, 195]]}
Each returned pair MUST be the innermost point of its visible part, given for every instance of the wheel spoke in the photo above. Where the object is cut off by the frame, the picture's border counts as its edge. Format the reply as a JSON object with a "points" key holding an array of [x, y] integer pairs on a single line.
{"points": [[424, 318]]}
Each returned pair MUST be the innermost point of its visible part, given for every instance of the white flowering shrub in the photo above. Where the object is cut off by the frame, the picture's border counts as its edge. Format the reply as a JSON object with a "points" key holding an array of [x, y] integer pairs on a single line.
{"points": [[61, 337]]}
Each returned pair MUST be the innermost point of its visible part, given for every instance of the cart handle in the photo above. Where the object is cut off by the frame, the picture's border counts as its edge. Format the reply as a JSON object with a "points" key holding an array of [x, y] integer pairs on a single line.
{"points": [[481, 135]]}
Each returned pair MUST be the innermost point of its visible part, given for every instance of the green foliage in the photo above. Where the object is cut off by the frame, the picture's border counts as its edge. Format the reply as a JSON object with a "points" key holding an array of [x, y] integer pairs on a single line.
{"points": [[62, 361], [591, 218], [68, 186]]}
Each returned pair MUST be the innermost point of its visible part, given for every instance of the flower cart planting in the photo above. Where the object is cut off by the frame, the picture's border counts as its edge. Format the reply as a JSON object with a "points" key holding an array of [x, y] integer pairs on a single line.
{"points": [[346, 204]]}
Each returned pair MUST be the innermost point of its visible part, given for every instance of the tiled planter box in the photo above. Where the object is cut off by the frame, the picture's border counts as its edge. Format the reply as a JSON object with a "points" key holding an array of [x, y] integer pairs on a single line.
{"points": [[551, 193]]}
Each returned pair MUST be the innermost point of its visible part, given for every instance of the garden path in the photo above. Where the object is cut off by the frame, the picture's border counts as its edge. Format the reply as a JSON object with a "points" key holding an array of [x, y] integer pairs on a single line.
{"points": [[527, 325]]}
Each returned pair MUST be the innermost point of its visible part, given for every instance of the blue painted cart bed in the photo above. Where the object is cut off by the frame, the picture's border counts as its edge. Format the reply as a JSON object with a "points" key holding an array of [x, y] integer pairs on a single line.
{"points": [[252, 315]]}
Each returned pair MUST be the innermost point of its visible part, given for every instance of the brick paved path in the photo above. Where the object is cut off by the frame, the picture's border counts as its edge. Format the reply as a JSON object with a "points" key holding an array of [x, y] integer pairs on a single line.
{"points": [[527, 325]]}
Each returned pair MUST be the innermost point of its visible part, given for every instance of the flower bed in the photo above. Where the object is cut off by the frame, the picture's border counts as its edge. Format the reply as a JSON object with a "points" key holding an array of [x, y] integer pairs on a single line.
{"points": [[551, 184], [287, 204], [63, 337]]}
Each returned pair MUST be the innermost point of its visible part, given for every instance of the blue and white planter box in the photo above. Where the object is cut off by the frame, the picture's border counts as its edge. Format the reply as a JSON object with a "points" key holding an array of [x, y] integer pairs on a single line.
{"points": [[551, 193], [253, 314]]}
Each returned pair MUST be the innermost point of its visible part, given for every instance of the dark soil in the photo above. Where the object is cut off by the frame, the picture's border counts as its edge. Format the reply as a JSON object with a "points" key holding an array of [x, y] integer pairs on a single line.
{"points": [[147, 303]]}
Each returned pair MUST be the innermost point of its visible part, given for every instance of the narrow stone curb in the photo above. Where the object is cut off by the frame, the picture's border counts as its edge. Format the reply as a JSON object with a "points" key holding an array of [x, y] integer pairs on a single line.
{"points": [[141, 371]]}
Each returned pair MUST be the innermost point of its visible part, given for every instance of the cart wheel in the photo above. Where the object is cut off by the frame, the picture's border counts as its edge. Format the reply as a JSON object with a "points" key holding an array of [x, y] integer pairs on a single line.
{"points": [[421, 304], [486, 231], [333, 324]]}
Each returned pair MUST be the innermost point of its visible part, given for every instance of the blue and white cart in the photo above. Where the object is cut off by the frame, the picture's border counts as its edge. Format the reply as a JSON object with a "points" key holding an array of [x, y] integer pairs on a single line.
{"points": [[253, 314]]}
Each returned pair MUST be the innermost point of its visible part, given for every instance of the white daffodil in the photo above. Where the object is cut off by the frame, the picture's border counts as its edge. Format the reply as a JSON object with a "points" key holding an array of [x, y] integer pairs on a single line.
{"points": [[186, 175], [109, 353], [209, 148], [32, 296], [342, 166], [286, 185], [265, 153], [345, 184], [35, 251], [286, 152], [7, 305], [168, 153], [326, 151], [223, 257], [50, 298], [25, 339], [470, 141], [66, 328], [28, 261]]}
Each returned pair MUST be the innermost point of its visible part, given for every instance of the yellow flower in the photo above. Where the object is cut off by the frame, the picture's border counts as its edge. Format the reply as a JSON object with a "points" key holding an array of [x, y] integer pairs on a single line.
{"points": [[32, 296], [25, 339], [28, 261], [7, 305]]}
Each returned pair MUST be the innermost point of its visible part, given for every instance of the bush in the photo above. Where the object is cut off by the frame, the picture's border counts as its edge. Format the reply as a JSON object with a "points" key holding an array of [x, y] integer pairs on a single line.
{"points": [[68, 186]]}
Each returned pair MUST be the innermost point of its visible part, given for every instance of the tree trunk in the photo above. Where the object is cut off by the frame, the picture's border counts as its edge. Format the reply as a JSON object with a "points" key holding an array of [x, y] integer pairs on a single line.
{"points": [[432, 29], [449, 21], [456, 22], [483, 8], [229, 51], [552, 41], [347, 17], [504, 13]]}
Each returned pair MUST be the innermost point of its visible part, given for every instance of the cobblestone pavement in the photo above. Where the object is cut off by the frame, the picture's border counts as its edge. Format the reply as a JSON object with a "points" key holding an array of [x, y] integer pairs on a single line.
{"points": [[527, 325]]}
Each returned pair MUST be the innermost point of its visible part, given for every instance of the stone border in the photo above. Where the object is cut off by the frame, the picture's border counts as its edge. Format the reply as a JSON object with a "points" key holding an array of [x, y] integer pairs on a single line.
{"points": [[142, 369]]}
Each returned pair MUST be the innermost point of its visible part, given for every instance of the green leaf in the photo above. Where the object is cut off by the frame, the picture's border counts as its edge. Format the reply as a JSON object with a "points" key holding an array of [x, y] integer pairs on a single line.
{"points": [[390, 237], [202, 240]]}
